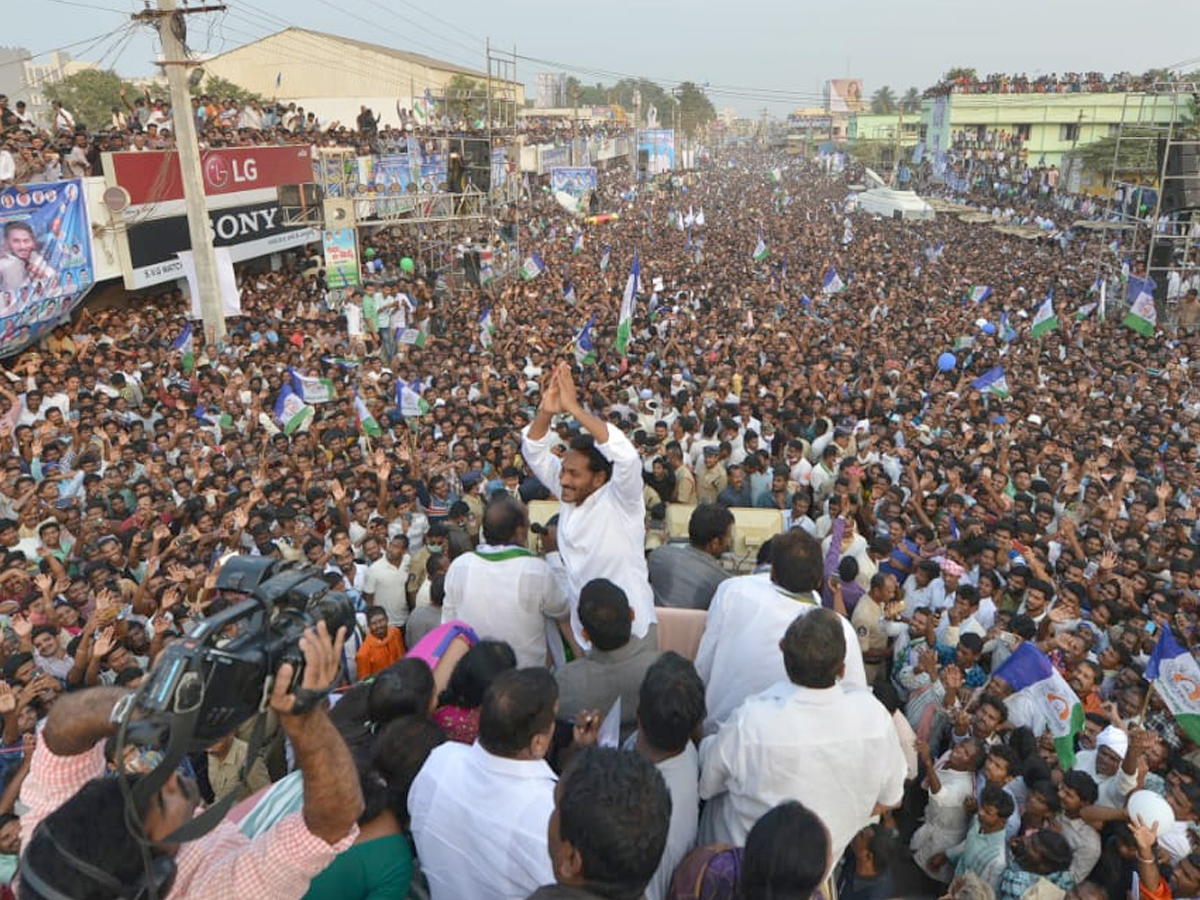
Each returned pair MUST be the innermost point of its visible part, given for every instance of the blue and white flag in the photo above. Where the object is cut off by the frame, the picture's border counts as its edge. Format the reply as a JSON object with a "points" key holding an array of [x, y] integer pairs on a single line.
{"points": [[291, 412], [569, 295], [1028, 671], [486, 328], [1175, 675], [409, 400], [578, 245], [833, 283], [979, 293], [993, 381], [312, 390], [585, 350], [604, 259], [184, 344], [532, 267]]}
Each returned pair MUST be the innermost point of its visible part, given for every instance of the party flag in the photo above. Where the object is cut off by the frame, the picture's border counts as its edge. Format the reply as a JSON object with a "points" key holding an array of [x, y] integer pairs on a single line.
{"points": [[412, 336], [409, 399], [486, 328], [1045, 321], [585, 350], [532, 267], [1028, 671], [993, 381], [760, 251], [1142, 316], [312, 390], [184, 344], [625, 321], [291, 412], [366, 422], [833, 283], [1176, 676]]}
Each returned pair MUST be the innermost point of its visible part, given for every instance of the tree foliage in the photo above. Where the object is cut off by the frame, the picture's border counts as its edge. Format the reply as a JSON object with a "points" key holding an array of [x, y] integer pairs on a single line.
{"points": [[957, 72], [686, 105], [911, 101], [89, 95], [883, 101], [224, 89], [466, 98], [695, 109]]}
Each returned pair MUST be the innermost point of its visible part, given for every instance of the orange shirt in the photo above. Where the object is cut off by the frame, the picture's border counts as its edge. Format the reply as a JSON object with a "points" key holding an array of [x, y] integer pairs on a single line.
{"points": [[375, 655]]}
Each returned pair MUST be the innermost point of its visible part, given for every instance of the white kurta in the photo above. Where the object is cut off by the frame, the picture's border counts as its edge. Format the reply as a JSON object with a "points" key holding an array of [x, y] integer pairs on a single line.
{"points": [[505, 594], [479, 822], [945, 821], [605, 535], [739, 655], [833, 749]]}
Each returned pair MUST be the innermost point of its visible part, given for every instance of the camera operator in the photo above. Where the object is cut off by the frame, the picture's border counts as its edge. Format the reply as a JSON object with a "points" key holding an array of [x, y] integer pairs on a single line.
{"points": [[77, 843]]}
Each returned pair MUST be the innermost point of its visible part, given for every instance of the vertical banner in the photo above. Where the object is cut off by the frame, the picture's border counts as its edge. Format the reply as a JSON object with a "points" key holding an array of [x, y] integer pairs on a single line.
{"points": [[45, 259], [659, 145], [231, 297], [341, 258]]}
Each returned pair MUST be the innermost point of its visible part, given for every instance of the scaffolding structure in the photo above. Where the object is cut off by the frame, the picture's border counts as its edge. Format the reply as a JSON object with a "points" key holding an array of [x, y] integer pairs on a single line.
{"points": [[447, 220], [1154, 128]]}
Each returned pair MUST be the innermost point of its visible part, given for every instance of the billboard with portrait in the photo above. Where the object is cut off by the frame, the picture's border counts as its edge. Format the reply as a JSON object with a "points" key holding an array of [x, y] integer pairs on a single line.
{"points": [[45, 258], [577, 182], [659, 146], [844, 95]]}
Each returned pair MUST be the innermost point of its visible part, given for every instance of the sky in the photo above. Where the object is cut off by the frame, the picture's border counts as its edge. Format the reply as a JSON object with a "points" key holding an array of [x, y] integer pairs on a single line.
{"points": [[772, 54]]}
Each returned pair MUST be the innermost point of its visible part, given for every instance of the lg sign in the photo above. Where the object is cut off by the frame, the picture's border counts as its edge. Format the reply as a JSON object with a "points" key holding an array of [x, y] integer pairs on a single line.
{"points": [[220, 172]]}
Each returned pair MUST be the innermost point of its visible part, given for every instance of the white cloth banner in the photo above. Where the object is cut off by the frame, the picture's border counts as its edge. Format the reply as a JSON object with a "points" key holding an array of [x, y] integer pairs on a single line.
{"points": [[231, 297]]}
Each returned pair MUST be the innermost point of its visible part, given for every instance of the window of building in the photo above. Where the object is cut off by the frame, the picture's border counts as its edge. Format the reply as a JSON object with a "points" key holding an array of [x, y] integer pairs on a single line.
{"points": [[1068, 132], [1023, 132]]}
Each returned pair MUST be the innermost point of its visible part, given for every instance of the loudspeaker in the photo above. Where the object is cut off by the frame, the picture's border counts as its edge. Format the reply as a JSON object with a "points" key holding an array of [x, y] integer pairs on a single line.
{"points": [[643, 161], [471, 264], [1181, 184], [477, 160], [454, 173], [300, 195]]}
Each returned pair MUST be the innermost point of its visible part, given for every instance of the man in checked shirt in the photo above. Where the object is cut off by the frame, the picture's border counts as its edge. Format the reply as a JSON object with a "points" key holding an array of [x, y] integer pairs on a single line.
{"points": [[73, 808]]}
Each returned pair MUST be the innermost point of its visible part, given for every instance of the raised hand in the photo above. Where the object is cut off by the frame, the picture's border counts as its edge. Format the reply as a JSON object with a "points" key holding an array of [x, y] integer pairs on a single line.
{"points": [[8, 699], [105, 642]]}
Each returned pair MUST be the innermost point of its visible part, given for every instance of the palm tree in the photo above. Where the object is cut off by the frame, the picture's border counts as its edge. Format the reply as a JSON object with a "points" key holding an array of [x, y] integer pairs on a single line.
{"points": [[883, 101], [911, 101]]}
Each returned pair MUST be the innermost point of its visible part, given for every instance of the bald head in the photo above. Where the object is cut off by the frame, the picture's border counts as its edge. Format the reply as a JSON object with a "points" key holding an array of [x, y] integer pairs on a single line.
{"points": [[505, 522]]}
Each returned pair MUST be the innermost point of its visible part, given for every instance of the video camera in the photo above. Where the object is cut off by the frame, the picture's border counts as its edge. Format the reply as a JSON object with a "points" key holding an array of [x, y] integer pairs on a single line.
{"points": [[220, 675]]}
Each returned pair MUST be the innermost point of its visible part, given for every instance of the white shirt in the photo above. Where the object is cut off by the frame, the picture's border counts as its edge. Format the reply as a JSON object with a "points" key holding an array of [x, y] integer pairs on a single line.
{"points": [[506, 594], [682, 775], [739, 655], [833, 749], [479, 822], [605, 535], [388, 586]]}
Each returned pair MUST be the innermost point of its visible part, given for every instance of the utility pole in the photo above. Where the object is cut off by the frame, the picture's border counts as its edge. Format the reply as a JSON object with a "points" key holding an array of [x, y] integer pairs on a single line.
{"points": [[173, 31], [633, 150]]}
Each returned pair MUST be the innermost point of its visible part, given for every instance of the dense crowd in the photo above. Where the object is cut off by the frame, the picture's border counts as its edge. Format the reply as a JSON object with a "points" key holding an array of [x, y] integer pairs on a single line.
{"points": [[34, 151], [861, 693], [1046, 83]]}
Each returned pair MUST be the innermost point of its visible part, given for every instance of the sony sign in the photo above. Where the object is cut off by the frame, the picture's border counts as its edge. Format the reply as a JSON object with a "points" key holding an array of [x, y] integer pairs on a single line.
{"points": [[230, 226], [256, 229]]}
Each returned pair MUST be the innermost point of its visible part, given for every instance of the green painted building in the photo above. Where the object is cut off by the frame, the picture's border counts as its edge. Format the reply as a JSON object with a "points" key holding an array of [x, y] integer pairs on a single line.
{"points": [[1041, 128]]}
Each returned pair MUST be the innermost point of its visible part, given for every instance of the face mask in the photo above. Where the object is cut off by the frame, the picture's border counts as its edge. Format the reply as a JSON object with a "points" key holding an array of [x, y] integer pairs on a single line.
{"points": [[435, 548]]}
